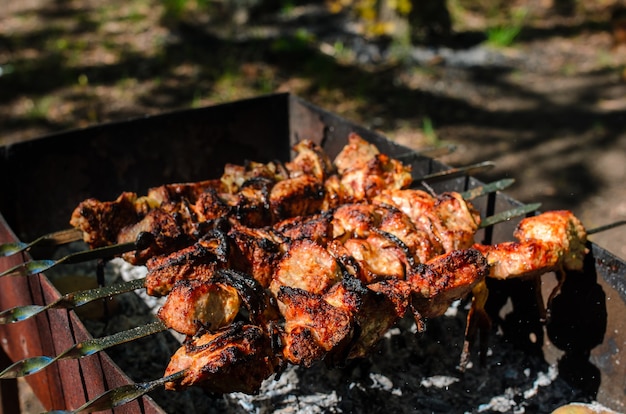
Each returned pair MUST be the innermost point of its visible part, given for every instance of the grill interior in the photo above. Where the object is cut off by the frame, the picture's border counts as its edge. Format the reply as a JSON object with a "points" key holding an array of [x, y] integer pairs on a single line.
{"points": [[575, 358]]}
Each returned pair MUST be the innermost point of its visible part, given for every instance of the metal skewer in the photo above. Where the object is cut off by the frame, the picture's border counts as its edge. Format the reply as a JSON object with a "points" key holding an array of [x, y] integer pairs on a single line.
{"points": [[33, 365], [509, 214], [69, 301], [121, 395], [76, 299], [58, 237], [457, 172], [606, 227], [431, 152], [487, 188], [38, 266]]}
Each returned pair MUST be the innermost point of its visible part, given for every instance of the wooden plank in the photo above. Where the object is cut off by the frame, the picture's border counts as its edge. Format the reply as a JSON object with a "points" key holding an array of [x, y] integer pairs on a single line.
{"points": [[9, 402]]}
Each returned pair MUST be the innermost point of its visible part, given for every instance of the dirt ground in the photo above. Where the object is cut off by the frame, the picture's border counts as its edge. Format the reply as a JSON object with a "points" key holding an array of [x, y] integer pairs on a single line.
{"points": [[551, 113], [552, 116]]}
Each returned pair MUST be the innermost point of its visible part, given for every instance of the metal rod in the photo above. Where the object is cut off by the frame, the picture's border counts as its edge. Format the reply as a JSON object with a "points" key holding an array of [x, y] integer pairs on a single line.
{"points": [[509, 214], [58, 237], [121, 395], [39, 266], [457, 172], [29, 366], [432, 152], [606, 227], [487, 189], [69, 301]]}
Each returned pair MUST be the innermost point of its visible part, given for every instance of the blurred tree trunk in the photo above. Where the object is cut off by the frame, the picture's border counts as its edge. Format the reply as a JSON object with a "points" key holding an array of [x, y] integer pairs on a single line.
{"points": [[430, 21]]}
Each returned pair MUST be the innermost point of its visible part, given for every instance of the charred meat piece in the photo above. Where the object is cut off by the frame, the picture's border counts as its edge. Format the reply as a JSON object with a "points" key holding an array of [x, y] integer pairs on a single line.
{"points": [[378, 258], [168, 235], [101, 222], [315, 227], [525, 259], [311, 160], [547, 242], [237, 358], [256, 251], [193, 305], [235, 176], [196, 305], [364, 172], [175, 193], [456, 221], [199, 261], [312, 326], [355, 155], [449, 221], [560, 227], [446, 278], [373, 310], [298, 196], [308, 266]]}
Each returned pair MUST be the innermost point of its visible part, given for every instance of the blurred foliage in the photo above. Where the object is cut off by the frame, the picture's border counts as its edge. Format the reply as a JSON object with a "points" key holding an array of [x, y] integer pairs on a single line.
{"points": [[379, 17], [504, 34]]}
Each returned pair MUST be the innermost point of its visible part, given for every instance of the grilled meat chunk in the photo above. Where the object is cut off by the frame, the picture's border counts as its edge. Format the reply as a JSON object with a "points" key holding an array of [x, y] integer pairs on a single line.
{"points": [[377, 257], [193, 305], [446, 278], [312, 326], [175, 193], [298, 196], [167, 235], [525, 259], [546, 242], [315, 227], [101, 222], [307, 266], [199, 261], [364, 172], [310, 160], [373, 310], [560, 227], [237, 358], [449, 221], [256, 251]]}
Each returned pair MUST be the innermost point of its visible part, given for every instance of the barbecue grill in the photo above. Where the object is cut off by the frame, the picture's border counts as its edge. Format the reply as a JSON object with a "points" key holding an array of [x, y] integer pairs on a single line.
{"points": [[578, 356]]}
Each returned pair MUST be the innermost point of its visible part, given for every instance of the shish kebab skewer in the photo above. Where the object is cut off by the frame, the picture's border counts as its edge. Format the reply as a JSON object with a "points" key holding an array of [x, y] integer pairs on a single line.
{"points": [[143, 239], [72, 300], [256, 195], [73, 234]]}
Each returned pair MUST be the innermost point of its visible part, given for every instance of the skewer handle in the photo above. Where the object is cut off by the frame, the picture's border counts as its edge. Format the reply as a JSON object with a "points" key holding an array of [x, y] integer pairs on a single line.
{"points": [[59, 237], [121, 395], [29, 366], [69, 301]]}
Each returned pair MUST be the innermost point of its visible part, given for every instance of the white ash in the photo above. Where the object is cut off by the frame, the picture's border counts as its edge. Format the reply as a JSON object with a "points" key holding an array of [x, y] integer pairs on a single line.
{"points": [[130, 272], [438, 381]]}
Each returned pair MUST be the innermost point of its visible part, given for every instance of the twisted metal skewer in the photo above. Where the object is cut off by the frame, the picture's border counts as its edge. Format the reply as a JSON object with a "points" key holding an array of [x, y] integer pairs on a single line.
{"points": [[29, 366], [34, 267], [121, 395], [69, 301], [39, 266], [75, 299], [70, 235], [56, 238]]}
